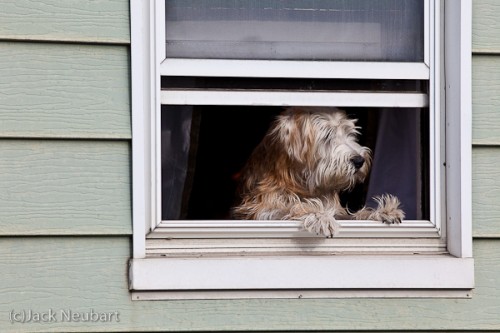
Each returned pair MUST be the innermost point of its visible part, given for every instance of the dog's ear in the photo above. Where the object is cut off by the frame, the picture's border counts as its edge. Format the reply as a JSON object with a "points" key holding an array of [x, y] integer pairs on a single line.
{"points": [[295, 133]]}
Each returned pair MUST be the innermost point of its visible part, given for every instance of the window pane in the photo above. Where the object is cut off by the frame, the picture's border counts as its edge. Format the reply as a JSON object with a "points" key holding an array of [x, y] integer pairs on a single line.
{"points": [[176, 141], [357, 30]]}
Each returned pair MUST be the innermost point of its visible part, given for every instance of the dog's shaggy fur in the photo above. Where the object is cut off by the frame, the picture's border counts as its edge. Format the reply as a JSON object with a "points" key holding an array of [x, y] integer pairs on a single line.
{"points": [[308, 157]]}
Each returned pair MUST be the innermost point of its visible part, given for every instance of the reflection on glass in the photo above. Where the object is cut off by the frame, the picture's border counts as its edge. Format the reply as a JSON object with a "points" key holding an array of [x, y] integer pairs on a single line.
{"points": [[356, 30]]}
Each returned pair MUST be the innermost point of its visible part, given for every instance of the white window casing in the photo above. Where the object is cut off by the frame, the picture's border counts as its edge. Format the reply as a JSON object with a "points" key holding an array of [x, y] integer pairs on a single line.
{"points": [[241, 259]]}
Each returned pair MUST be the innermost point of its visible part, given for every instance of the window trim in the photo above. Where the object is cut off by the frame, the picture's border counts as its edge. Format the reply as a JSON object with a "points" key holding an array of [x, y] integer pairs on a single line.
{"points": [[451, 272]]}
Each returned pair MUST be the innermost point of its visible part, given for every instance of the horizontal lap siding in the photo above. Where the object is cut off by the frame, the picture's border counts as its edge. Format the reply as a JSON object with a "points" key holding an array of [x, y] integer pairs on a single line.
{"points": [[89, 21], [486, 191], [56, 187], [486, 119], [486, 26], [83, 273], [64, 91], [76, 87], [62, 273], [485, 160], [486, 99]]}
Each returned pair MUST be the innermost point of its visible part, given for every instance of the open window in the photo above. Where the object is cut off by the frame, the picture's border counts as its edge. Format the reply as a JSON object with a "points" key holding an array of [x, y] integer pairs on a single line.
{"points": [[209, 77]]}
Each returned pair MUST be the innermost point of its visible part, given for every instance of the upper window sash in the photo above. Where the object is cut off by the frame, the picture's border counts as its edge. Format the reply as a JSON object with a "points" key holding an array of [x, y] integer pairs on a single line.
{"points": [[297, 69]]}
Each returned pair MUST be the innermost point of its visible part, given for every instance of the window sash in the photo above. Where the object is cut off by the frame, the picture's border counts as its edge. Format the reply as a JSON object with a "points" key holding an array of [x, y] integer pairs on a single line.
{"points": [[411, 230]]}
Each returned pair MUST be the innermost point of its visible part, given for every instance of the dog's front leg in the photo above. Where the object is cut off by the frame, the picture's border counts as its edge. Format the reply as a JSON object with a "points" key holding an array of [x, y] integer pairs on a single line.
{"points": [[316, 216], [388, 211]]}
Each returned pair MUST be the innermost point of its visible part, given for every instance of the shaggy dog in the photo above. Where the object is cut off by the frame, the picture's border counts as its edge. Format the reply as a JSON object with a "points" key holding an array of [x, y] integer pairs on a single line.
{"points": [[307, 158]]}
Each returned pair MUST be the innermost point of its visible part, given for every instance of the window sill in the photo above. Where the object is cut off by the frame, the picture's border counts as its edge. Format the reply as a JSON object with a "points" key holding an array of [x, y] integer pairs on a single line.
{"points": [[302, 276]]}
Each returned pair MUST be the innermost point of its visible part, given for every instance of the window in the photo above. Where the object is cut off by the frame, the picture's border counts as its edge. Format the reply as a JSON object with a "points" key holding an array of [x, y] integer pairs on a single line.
{"points": [[239, 62]]}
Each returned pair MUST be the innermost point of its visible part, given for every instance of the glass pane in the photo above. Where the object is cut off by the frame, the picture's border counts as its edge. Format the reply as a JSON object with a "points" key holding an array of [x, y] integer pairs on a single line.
{"points": [[356, 30]]}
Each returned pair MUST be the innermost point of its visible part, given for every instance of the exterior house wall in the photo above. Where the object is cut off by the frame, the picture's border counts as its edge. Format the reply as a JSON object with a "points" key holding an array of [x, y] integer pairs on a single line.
{"points": [[65, 195]]}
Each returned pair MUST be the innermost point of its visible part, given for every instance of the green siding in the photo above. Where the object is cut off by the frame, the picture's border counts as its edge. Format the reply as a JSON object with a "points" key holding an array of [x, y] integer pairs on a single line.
{"points": [[486, 26], [486, 191], [86, 273], [486, 99], [64, 187], [105, 21], [68, 90], [42, 273]]}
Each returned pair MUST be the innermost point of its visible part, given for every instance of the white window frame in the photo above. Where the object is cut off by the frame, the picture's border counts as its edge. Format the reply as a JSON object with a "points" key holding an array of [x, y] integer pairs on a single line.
{"points": [[198, 260]]}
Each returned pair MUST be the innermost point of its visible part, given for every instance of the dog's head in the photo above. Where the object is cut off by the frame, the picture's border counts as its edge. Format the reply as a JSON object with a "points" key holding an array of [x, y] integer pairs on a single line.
{"points": [[321, 144]]}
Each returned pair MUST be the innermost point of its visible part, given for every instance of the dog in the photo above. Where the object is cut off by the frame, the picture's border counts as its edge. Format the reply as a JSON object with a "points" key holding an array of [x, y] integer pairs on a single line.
{"points": [[297, 172]]}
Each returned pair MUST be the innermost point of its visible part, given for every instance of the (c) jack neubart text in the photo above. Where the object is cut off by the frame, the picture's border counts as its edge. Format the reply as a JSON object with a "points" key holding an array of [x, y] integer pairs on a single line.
{"points": [[62, 315]]}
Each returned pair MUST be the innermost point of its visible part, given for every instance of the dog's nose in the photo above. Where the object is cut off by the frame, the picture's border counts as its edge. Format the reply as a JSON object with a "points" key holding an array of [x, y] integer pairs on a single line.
{"points": [[358, 161]]}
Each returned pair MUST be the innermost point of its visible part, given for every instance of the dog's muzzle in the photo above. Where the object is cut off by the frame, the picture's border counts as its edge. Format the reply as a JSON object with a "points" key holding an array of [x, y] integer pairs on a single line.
{"points": [[357, 161]]}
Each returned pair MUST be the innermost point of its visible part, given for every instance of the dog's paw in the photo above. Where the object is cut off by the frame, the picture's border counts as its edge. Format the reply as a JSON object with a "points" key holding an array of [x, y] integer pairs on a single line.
{"points": [[321, 224], [388, 210]]}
